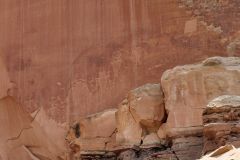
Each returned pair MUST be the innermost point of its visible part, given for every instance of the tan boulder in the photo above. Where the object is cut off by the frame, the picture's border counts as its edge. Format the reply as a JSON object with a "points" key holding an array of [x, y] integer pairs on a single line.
{"points": [[129, 131], [102, 124], [140, 114], [146, 106], [151, 139], [189, 88], [96, 132], [162, 131]]}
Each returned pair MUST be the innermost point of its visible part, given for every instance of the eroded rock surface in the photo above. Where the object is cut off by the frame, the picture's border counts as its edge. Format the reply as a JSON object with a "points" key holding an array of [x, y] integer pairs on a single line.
{"points": [[140, 115], [173, 123], [21, 137], [189, 88], [95, 133], [221, 122]]}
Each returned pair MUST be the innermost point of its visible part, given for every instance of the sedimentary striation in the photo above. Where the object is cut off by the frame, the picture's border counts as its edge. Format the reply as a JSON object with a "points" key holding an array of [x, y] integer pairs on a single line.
{"points": [[221, 123]]}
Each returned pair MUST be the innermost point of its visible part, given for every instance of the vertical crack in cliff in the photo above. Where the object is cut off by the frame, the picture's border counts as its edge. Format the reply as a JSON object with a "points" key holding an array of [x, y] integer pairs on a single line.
{"points": [[131, 114]]}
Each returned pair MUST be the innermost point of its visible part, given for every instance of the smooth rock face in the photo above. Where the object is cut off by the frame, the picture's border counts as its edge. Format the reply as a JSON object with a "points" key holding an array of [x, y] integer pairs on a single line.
{"points": [[21, 135], [140, 114], [189, 88], [221, 122]]}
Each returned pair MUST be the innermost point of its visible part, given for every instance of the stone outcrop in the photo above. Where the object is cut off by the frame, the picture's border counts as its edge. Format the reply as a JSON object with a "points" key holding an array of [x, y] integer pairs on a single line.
{"points": [[140, 115], [221, 122], [189, 88], [180, 119], [96, 132]]}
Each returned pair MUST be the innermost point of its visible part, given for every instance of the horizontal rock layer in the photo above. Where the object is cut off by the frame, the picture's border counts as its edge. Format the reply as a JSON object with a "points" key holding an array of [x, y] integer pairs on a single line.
{"points": [[221, 122]]}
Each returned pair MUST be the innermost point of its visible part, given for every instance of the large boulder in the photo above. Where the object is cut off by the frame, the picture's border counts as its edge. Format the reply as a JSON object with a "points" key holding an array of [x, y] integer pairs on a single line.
{"points": [[129, 131], [96, 132], [189, 88], [140, 115], [101, 124], [221, 122]]}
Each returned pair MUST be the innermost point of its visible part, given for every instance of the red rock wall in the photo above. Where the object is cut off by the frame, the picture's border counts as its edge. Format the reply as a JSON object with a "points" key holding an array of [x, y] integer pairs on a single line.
{"points": [[76, 57]]}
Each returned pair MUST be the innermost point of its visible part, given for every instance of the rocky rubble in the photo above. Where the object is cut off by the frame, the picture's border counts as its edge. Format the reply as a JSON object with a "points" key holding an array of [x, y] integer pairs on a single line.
{"points": [[177, 119]]}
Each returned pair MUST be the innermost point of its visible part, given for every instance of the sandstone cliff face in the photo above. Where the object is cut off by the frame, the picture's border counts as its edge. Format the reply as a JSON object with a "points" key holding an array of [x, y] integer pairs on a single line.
{"points": [[56, 53], [75, 58]]}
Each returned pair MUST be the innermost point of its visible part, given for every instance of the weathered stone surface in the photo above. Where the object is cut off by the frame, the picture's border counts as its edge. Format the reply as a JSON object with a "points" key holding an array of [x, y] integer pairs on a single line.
{"points": [[102, 124], [96, 132], [60, 56], [187, 148], [21, 135], [151, 139], [147, 106], [189, 88], [221, 122], [140, 114], [163, 155], [129, 132], [133, 46]]}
